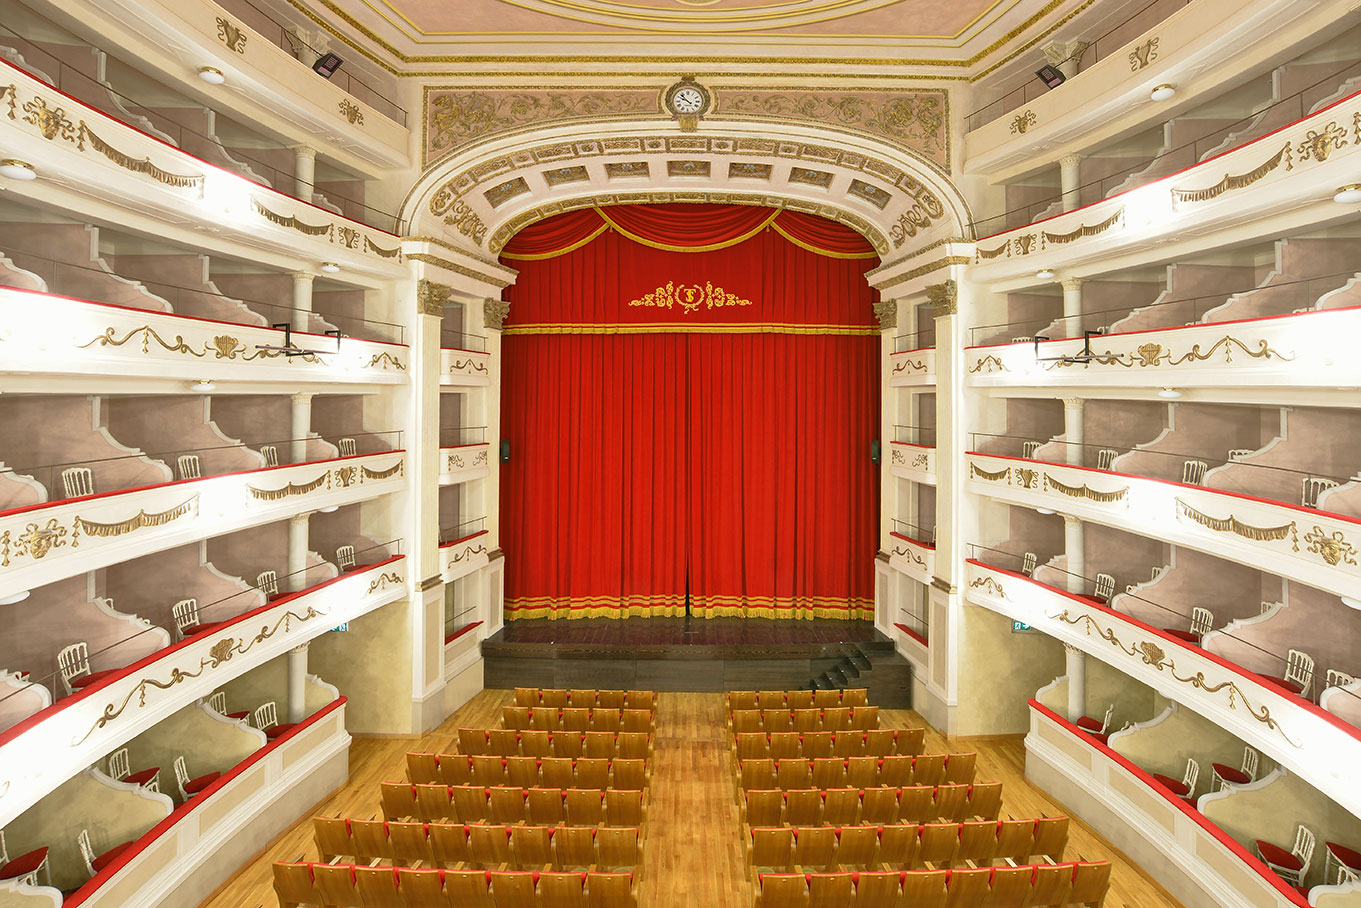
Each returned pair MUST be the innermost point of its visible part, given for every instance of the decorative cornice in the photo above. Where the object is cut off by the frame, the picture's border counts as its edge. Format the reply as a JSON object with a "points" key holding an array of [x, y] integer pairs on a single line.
{"points": [[921, 270], [429, 583], [458, 269]]}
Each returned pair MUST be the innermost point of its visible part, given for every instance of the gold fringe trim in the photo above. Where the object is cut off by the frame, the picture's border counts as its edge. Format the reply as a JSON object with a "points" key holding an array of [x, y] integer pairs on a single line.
{"points": [[141, 520], [1233, 181], [1232, 524], [383, 474], [1083, 491], [290, 489], [989, 476], [1085, 230], [291, 222], [724, 244], [985, 254], [800, 607], [371, 246], [142, 166], [817, 250]]}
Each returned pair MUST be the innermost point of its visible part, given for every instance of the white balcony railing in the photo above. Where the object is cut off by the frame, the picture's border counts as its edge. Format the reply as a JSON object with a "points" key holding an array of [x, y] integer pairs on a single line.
{"points": [[42, 752], [913, 367], [468, 368], [47, 542], [464, 463], [914, 462], [463, 556], [1314, 744], [911, 557]]}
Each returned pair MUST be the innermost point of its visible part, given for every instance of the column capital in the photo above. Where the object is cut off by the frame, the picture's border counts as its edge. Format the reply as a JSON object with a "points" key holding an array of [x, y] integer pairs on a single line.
{"points": [[1071, 284], [303, 151], [301, 649], [1071, 160], [432, 297], [302, 397], [303, 277], [945, 297], [887, 313], [300, 519], [1073, 403], [1057, 52], [1071, 522], [1073, 650], [494, 313]]}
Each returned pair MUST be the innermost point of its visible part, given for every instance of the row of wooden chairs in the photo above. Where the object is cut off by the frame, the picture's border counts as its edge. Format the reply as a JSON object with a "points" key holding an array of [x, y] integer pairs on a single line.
{"points": [[561, 698], [856, 772], [904, 847], [491, 847], [1026, 886], [572, 718], [508, 804], [796, 699], [511, 742], [880, 742], [860, 806], [832, 718], [351, 886], [532, 772]]}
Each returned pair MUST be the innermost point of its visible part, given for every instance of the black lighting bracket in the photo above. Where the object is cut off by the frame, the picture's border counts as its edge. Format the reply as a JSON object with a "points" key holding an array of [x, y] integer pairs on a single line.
{"points": [[1085, 356], [291, 349]]}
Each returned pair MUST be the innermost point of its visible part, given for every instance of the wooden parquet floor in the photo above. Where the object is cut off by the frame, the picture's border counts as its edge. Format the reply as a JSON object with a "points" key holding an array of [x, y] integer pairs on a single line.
{"points": [[693, 853]]}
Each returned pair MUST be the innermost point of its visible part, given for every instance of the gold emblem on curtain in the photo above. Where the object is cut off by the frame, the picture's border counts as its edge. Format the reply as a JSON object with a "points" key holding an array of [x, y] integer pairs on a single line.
{"points": [[690, 297]]}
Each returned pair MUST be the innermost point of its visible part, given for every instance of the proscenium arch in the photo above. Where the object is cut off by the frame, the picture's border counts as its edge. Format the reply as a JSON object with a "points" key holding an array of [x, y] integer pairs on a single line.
{"points": [[476, 199]]}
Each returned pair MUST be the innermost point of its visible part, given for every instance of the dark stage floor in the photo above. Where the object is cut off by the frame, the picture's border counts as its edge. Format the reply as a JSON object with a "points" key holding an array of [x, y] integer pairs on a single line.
{"points": [[686, 632]]}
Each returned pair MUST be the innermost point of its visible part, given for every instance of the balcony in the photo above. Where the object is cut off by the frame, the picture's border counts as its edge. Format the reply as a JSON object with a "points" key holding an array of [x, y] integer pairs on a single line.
{"points": [[911, 555], [49, 747], [464, 455], [1310, 741], [913, 368], [465, 551], [467, 365]]}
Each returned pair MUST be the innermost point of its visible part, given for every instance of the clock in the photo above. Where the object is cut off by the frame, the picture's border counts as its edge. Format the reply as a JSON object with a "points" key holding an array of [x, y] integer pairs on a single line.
{"points": [[687, 101]]}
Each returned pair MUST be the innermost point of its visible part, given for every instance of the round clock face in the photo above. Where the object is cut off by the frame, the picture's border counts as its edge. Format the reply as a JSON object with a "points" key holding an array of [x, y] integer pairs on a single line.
{"points": [[687, 100]]}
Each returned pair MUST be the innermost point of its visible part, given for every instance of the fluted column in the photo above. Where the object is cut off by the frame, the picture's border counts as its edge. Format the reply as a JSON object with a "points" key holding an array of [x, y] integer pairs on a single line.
{"points": [[298, 545], [297, 683], [1073, 429], [1074, 549], [300, 426], [1072, 307], [302, 299], [304, 171], [1075, 661], [1069, 176]]}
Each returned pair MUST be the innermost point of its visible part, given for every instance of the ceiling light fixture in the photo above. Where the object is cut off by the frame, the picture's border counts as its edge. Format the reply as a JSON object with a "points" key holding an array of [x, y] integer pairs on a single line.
{"points": [[17, 170], [1350, 602], [202, 385], [1045, 274], [1169, 393], [14, 598], [330, 267], [211, 74], [1163, 92], [1345, 195], [1045, 511], [330, 509]]}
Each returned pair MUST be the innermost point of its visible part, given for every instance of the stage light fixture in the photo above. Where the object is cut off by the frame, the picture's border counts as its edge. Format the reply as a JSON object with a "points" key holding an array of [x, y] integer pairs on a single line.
{"points": [[1045, 274], [330, 267], [202, 385], [17, 170], [1050, 76], [1169, 393], [1163, 92], [1348, 195], [14, 598], [326, 65], [211, 74]]}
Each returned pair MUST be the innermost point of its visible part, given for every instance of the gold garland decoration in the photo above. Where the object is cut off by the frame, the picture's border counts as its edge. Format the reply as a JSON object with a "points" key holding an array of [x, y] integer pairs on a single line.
{"points": [[1085, 230], [141, 520], [985, 254], [383, 474], [292, 222], [142, 165], [989, 476], [1083, 491], [291, 489], [1232, 524], [991, 363], [371, 246], [1234, 181]]}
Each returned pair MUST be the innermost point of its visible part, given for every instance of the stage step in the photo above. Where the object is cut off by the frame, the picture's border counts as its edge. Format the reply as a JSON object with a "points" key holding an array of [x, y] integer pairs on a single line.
{"points": [[890, 687]]}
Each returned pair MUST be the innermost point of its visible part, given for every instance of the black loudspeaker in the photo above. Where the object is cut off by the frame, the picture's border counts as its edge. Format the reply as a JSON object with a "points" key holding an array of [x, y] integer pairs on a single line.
{"points": [[505, 451], [875, 456], [327, 65], [1050, 75]]}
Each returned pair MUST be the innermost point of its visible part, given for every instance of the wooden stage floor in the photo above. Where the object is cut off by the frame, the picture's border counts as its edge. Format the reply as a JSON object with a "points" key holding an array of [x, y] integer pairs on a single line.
{"points": [[693, 853]]}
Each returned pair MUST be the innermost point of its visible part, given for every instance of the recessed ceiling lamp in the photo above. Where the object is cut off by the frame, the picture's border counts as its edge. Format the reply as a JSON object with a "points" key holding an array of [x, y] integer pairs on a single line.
{"points": [[330, 267], [1345, 195], [1045, 511], [330, 509], [14, 598], [1169, 393], [211, 74], [1163, 92], [202, 385], [1045, 274], [1350, 602], [17, 170]]}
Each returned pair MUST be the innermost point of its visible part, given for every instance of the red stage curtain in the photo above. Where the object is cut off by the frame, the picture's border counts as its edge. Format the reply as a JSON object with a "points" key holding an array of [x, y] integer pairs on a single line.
{"points": [[680, 418]]}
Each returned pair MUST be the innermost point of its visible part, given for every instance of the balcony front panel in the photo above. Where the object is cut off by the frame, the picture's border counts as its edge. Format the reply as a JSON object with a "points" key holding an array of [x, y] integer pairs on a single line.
{"points": [[40, 753], [464, 463], [1285, 173], [1308, 350], [1313, 547], [91, 156], [47, 542], [915, 559], [463, 556], [464, 368], [914, 462], [47, 335], [1220, 869], [913, 368], [1312, 743]]}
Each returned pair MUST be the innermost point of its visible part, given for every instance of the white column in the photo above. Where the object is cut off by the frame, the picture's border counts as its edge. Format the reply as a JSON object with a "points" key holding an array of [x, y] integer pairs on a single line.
{"points": [[302, 299], [1068, 181], [297, 552], [297, 683], [1076, 662], [1074, 548], [1072, 307], [300, 426], [304, 170], [1073, 429]]}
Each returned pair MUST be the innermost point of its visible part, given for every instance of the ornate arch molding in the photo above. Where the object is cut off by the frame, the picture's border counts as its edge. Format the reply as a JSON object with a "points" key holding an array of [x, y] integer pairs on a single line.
{"points": [[480, 198]]}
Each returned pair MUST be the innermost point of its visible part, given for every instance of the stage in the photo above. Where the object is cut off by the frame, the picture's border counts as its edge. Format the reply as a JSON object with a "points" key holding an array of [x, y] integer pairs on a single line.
{"points": [[697, 654]]}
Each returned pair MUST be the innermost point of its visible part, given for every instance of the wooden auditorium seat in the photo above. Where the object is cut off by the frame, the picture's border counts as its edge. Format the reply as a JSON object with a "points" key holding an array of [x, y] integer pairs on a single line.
{"points": [[1026, 886], [850, 806]]}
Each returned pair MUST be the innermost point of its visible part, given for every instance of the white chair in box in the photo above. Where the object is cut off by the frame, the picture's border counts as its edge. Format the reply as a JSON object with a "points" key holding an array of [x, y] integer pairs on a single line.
{"points": [[345, 558], [268, 583], [1105, 587], [78, 481], [1299, 673], [1237, 454], [218, 704], [190, 787], [1105, 458], [1029, 448], [1202, 619], [1186, 788], [190, 468], [25, 868], [1313, 487], [1227, 776], [120, 769], [267, 720], [97, 862], [1028, 563], [1193, 472], [1291, 865], [73, 662], [1337, 678], [270, 454], [1093, 727], [348, 448], [186, 616], [1335, 871]]}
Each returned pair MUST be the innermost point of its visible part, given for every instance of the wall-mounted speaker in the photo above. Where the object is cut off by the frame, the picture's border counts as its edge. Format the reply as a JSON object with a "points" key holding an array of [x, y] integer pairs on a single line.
{"points": [[505, 451], [875, 455]]}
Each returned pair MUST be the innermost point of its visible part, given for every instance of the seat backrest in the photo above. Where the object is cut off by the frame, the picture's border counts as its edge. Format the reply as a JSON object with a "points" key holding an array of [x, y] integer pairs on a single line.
{"points": [[218, 702], [267, 582], [928, 769], [562, 890], [948, 801], [513, 889], [544, 806], [522, 771], [582, 698], [398, 799], [793, 772], [552, 697], [410, 843], [1313, 487], [610, 890], [817, 744], [611, 720], [802, 807], [473, 741], [508, 802], [266, 715], [1105, 587], [747, 720], [625, 808], [293, 884], [575, 846], [783, 890], [189, 466], [772, 847], [879, 887], [916, 804], [181, 776], [856, 845], [879, 804], [593, 773], [1029, 448], [347, 447], [1338, 678], [977, 841], [960, 767], [830, 890], [469, 888], [1015, 839], [1010, 886], [598, 744], [629, 775], [585, 807], [185, 613], [1051, 837], [87, 853], [898, 844], [984, 801], [1105, 458], [532, 845], [490, 845], [1090, 881], [924, 888], [345, 557], [77, 481], [1193, 472], [799, 699], [617, 846], [449, 843], [336, 885], [73, 661], [1300, 669], [938, 842], [1250, 758], [1191, 777], [1202, 619], [1050, 884], [1028, 563], [472, 803], [434, 801], [840, 806], [969, 886], [619, 699], [743, 700], [118, 764], [270, 455], [1304, 848], [370, 839]]}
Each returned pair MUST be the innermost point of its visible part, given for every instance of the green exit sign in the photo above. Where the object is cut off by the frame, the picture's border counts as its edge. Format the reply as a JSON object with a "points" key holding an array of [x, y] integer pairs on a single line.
{"points": [[1018, 627]]}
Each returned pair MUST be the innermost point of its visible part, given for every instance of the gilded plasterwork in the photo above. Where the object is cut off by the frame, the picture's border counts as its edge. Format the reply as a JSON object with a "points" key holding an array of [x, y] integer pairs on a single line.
{"points": [[458, 118]]}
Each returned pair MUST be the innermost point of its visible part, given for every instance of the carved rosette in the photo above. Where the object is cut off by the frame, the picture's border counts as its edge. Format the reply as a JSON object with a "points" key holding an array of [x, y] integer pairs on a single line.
{"points": [[432, 297], [494, 313], [887, 313], [944, 297]]}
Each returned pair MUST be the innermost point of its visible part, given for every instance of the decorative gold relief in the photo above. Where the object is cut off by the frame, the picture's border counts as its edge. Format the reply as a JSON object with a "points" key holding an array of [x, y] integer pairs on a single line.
{"points": [[1084, 230], [494, 313], [381, 582], [136, 165], [8, 93], [139, 521], [371, 246], [384, 359], [52, 122], [1027, 477], [1318, 145], [457, 214], [1153, 355], [1083, 491], [911, 554], [501, 193], [351, 112], [690, 297], [460, 365], [921, 462], [480, 458], [456, 462], [989, 586], [887, 313], [1003, 475], [458, 269], [221, 346], [1232, 524], [456, 118], [230, 35], [1023, 244], [293, 488], [292, 222], [905, 364], [925, 208], [467, 552], [1143, 55], [985, 254], [1153, 655], [346, 476], [1022, 122], [1334, 549], [944, 297], [35, 541], [899, 459], [384, 474], [989, 363], [431, 297], [1236, 181]]}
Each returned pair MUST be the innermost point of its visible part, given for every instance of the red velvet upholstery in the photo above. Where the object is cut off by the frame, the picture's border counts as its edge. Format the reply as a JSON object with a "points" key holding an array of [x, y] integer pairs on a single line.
{"points": [[1189, 636], [1277, 855], [1087, 723], [1231, 774], [24, 864], [1281, 682], [104, 859], [144, 777], [245, 713], [205, 627], [1344, 854], [86, 680], [275, 731], [194, 786], [1173, 785]]}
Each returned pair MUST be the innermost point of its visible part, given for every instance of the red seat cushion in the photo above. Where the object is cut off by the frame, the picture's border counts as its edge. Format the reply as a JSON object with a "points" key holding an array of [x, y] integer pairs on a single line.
{"points": [[1189, 636], [86, 680], [1275, 854], [1104, 739], [1281, 682], [194, 786], [1231, 774], [241, 715], [1087, 723], [275, 731], [205, 627], [144, 777], [104, 859], [1172, 785], [24, 864], [1341, 852]]}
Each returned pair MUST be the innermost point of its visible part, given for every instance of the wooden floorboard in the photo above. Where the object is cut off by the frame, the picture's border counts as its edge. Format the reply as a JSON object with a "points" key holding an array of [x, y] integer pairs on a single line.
{"points": [[692, 854]]}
